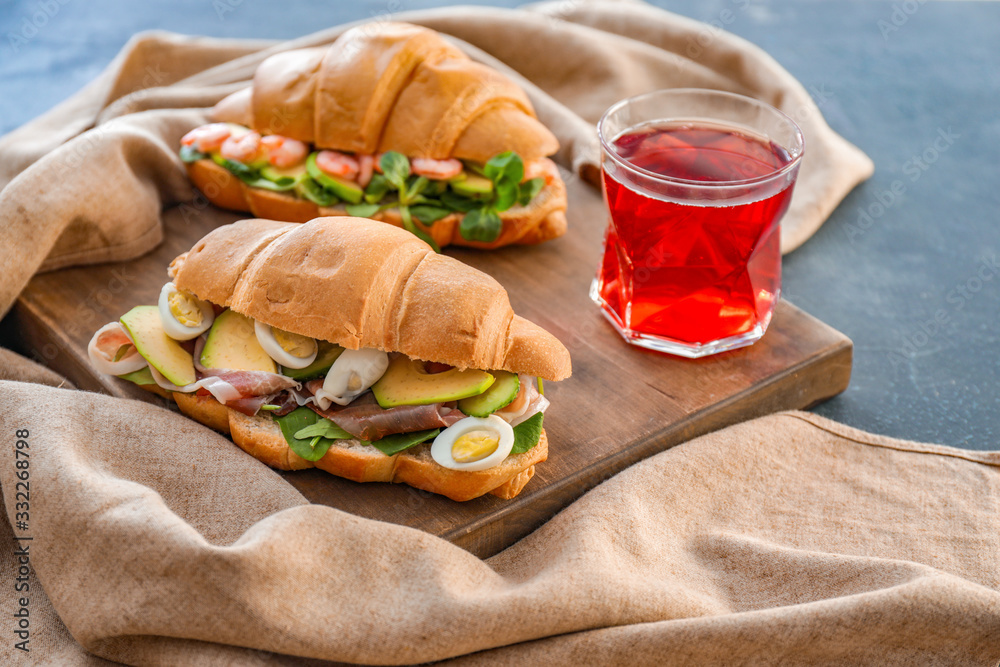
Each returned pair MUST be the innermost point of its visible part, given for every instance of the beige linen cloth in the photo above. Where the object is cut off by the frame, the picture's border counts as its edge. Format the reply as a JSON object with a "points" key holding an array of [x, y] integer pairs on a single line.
{"points": [[785, 540], [86, 182]]}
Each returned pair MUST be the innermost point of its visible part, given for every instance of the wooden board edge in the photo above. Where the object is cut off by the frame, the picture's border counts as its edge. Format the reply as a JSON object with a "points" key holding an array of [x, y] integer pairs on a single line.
{"points": [[483, 540]]}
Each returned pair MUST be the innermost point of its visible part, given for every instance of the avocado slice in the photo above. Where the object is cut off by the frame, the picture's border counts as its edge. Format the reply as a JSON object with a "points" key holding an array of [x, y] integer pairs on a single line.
{"points": [[232, 344], [406, 382], [499, 395], [473, 186], [161, 351], [328, 353], [139, 377], [346, 190], [288, 176]]}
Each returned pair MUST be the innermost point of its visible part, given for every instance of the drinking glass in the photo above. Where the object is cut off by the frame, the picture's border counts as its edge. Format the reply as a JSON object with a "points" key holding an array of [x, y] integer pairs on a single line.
{"points": [[696, 183]]}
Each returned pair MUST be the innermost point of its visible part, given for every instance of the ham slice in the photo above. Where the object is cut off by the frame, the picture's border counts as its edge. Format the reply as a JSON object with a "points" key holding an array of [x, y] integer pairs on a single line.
{"points": [[252, 383], [364, 418]]}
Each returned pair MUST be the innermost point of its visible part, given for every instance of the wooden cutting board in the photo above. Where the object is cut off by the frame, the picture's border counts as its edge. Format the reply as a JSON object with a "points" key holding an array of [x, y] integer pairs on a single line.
{"points": [[622, 404]]}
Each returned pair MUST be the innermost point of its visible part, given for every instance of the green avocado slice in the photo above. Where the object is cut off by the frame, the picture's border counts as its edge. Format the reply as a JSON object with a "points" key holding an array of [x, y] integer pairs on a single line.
{"points": [[346, 190]]}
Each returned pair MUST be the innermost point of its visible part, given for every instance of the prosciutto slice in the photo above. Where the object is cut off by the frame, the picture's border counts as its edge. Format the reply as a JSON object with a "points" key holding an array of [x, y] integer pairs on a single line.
{"points": [[366, 419], [252, 383]]}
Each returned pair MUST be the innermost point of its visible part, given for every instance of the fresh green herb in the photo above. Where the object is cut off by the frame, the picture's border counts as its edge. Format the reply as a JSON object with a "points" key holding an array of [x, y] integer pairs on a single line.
{"points": [[394, 444], [191, 154], [267, 407], [363, 210], [377, 189], [527, 434], [239, 169], [482, 215], [316, 193], [312, 449], [481, 224], [323, 428], [404, 213], [428, 214], [457, 202], [140, 377], [529, 190], [396, 169]]}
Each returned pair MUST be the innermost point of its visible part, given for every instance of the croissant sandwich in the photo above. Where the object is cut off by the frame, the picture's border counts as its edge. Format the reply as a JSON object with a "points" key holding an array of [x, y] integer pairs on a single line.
{"points": [[347, 345], [389, 122]]}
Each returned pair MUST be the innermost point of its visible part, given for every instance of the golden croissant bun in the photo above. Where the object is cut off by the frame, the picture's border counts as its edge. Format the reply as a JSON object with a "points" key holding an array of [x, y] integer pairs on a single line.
{"points": [[391, 87], [391, 291]]}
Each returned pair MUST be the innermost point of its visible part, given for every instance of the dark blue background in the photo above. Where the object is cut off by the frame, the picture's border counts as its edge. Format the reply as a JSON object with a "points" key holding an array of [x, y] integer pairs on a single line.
{"points": [[893, 77]]}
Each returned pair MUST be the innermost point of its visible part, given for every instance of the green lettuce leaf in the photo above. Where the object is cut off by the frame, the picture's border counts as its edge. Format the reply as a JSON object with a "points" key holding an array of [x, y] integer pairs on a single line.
{"points": [[394, 444], [323, 428], [527, 434], [191, 154], [311, 449], [481, 224]]}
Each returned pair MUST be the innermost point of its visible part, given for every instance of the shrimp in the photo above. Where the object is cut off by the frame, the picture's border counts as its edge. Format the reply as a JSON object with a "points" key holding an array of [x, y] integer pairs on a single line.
{"points": [[440, 170], [536, 169], [366, 165], [283, 152], [243, 149], [207, 138], [335, 163]]}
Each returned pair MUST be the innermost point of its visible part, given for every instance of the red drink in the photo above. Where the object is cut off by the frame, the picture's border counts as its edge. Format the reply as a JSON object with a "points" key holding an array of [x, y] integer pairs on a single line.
{"points": [[696, 182], [693, 272]]}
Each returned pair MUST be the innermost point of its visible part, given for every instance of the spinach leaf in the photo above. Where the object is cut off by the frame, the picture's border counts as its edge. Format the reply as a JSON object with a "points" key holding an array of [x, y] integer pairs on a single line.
{"points": [[404, 213], [506, 194], [394, 444], [529, 190], [191, 154], [457, 202], [481, 224], [413, 189], [428, 214], [507, 166], [323, 428], [395, 168], [239, 169], [362, 210], [377, 188], [311, 449], [527, 434]]}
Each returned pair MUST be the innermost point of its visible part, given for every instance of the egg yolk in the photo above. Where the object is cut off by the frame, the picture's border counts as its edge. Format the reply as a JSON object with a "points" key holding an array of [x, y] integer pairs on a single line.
{"points": [[474, 446], [294, 344], [184, 309]]}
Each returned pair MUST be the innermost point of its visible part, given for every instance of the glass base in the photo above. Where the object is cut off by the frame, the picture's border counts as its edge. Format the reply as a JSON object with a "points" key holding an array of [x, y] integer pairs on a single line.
{"points": [[676, 347]]}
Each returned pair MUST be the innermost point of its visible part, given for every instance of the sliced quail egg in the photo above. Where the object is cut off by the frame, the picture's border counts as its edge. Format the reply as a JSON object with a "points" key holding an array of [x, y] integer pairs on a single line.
{"points": [[474, 443], [352, 374], [291, 350], [184, 315]]}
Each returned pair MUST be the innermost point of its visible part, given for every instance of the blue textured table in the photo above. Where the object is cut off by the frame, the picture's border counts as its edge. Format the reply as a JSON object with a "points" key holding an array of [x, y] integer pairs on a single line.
{"points": [[907, 266]]}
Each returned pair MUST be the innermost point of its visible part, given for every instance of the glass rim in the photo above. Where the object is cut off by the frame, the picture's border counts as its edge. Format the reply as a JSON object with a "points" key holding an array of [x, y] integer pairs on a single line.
{"points": [[617, 106]]}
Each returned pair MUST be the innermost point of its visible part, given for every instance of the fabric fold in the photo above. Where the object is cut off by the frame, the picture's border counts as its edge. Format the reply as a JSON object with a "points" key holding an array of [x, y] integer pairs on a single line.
{"points": [[787, 538]]}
